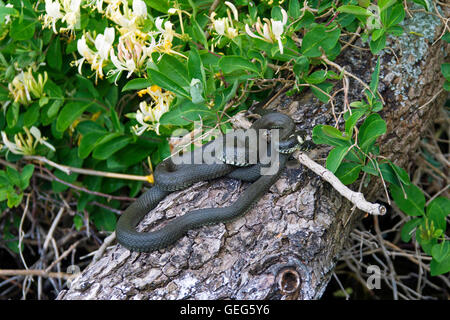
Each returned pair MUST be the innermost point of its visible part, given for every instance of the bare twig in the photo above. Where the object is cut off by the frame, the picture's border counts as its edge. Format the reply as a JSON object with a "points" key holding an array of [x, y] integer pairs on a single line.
{"points": [[357, 198]]}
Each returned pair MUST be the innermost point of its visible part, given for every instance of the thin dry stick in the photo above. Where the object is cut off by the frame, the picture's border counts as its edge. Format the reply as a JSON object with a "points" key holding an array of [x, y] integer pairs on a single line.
{"points": [[62, 256], [53, 227], [21, 233], [35, 272], [341, 69], [51, 177], [357, 198], [388, 258], [108, 240], [68, 170]]}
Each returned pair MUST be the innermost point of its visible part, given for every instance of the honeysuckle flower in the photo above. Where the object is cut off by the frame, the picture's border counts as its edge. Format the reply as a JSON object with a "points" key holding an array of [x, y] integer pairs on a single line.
{"points": [[148, 115], [103, 43], [24, 87], [68, 13], [26, 145], [72, 10], [166, 37], [271, 31], [8, 17], [97, 59], [53, 14], [86, 53], [224, 26], [139, 8], [131, 56]]}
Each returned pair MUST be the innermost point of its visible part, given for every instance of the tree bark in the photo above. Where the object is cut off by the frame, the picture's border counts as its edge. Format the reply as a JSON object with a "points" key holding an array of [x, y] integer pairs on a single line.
{"points": [[287, 245]]}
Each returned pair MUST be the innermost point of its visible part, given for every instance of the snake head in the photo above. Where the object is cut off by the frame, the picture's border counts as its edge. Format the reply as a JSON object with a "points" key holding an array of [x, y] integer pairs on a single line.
{"points": [[304, 143]]}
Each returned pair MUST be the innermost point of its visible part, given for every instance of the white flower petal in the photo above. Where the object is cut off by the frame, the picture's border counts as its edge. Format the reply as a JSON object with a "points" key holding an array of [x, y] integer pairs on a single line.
{"points": [[139, 8], [35, 132], [233, 9]]}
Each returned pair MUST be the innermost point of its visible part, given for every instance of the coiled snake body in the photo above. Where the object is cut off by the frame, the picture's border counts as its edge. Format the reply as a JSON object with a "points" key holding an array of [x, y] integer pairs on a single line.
{"points": [[170, 177]]}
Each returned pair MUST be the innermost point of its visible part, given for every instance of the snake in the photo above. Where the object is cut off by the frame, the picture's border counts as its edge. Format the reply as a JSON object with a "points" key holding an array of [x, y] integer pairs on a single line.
{"points": [[170, 176]]}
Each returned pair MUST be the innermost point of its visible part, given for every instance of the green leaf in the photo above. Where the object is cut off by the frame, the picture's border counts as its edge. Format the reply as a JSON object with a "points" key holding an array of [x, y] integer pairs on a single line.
{"points": [[318, 37], [165, 82], [195, 66], [384, 4], [78, 222], [379, 44], [373, 127], [14, 199], [437, 268], [22, 29], [447, 85], [67, 156], [401, 174], [438, 210], [440, 251], [322, 91], [198, 33], [54, 54], [396, 16], [229, 64], [137, 84], [323, 134], [335, 158], [348, 172], [105, 150], [169, 65], [413, 204], [25, 176], [316, 77], [408, 228], [69, 113], [446, 37], [6, 11], [374, 81], [445, 68], [104, 220], [294, 9], [356, 10], [312, 41], [185, 114], [130, 155], [351, 121], [159, 5], [31, 115], [89, 142], [12, 114], [13, 176]]}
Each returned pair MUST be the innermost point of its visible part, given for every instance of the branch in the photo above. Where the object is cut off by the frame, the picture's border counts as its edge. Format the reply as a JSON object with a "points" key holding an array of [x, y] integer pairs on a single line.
{"points": [[35, 272], [68, 170], [357, 198]]}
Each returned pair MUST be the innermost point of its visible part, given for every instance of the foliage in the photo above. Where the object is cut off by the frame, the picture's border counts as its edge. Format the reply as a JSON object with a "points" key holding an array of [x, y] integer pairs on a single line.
{"points": [[106, 83]]}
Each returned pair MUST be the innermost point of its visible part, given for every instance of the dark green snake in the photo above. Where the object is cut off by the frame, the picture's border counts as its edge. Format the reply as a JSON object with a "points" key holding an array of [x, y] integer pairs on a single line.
{"points": [[170, 177]]}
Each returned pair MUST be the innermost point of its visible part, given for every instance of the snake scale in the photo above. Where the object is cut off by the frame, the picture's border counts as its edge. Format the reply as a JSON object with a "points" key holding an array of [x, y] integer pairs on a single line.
{"points": [[170, 177]]}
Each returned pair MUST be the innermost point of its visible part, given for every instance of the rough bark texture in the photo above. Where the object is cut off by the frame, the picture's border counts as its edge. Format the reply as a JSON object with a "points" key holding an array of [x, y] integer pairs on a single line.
{"points": [[286, 247]]}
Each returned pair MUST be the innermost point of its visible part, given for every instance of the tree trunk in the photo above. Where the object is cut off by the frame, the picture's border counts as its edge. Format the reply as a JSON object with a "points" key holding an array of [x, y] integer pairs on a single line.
{"points": [[287, 245]]}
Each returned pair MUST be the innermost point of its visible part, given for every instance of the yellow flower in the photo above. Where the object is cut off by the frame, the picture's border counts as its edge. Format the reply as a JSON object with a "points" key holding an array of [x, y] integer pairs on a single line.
{"points": [[167, 33], [26, 146], [224, 26], [148, 115], [271, 31], [24, 87], [97, 59]]}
